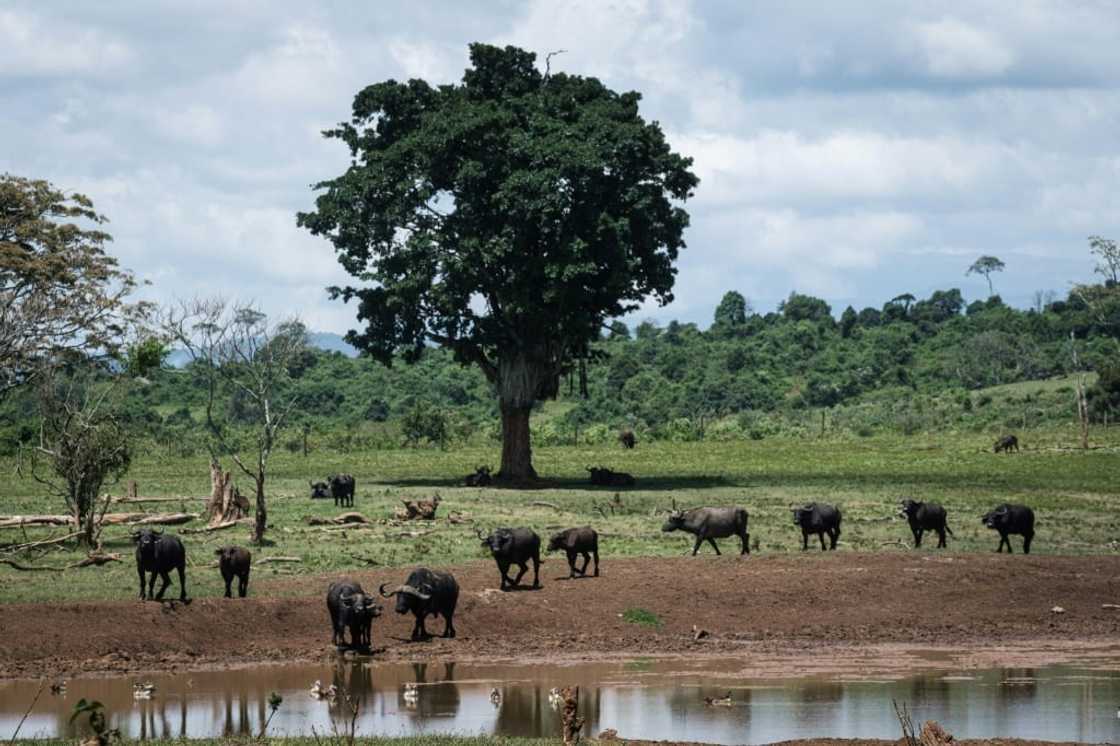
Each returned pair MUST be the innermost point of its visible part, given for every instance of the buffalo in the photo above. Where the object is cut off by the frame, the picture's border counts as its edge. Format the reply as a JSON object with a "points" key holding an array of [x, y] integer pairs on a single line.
{"points": [[925, 517], [1011, 519], [576, 541], [1006, 444], [354, 609], [819, 519], [337, 486], [607, 478], [480, 478], [159, 553], [235, 562], [709, 524], [427, 593], [514, 546], [627, 439]]}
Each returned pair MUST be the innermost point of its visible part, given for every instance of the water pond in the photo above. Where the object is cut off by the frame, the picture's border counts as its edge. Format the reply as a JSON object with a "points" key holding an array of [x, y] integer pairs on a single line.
{"points": [[640, 699]]}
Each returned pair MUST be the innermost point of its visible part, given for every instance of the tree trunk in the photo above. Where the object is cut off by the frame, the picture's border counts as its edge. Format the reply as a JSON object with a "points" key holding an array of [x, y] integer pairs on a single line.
{"points": [[1083, 412], [262, 515], [517, 453]]}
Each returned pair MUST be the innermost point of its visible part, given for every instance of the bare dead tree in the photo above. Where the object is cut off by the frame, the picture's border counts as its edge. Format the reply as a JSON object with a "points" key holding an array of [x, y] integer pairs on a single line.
{"points": [[242, 355]]}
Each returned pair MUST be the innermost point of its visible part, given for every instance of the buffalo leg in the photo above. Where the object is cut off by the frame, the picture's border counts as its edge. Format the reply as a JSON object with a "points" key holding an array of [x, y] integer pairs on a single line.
{"points": [[586, 562], [821, 537], [941, 538], [449, 627], [746, 547], [151, 584], [804, 541], [229, 582], [596, 553], [142, 594], [696, 546], [536, 571], [1026, 542], [524, 569], [243, 585], [714, 545], [917, 538], [165, 579], [503, 568], [183, 583], [571, 563]]}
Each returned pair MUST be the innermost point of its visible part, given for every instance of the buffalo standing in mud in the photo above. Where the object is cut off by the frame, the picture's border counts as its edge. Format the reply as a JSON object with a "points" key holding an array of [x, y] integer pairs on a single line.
{"points": [[819, 519], [925, 517], [1006, 444], [427, 593], [158, 553], [514, 546], [235, 562], [1011, 519], [574, 542], [354, 609], [709, 524]]}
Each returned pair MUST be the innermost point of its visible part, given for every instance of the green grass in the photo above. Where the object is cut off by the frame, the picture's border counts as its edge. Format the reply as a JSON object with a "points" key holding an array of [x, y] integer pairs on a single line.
{"points": [[421, 740], [641, 617], [1074, 494]]}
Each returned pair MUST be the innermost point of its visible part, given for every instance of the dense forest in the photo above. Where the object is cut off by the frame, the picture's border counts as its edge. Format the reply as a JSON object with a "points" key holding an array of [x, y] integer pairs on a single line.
{"points": [[910, 366]]}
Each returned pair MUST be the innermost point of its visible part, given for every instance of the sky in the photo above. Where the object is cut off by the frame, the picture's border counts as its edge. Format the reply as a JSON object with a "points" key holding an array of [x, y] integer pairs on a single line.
{"points": [[850, 150]]}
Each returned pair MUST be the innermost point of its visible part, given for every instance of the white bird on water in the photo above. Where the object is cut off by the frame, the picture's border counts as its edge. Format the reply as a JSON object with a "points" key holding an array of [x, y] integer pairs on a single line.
{"points": [[495, 697], [143, 690]]}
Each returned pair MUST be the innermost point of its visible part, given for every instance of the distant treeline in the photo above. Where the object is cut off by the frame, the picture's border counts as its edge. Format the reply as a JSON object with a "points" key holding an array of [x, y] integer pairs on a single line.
{"points": [[914, 364]]}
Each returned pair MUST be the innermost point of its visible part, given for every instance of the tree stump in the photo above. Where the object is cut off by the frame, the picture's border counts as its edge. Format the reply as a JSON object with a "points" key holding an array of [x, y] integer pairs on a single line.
{"points": [[226, 503], [133, 490], [934, 735]]}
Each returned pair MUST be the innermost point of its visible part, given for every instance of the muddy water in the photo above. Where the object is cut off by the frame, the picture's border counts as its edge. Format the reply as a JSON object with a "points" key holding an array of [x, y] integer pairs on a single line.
{"points": [[640, 699]]}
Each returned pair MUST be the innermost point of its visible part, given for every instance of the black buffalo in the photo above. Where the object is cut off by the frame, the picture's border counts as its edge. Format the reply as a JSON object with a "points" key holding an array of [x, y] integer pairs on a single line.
{"points": [[1011, 519], [925, 517], [574, 542], [1006, 444], [159, 554], [427, 593], [627, 438], [480, 478], [338, 486], [819, 519], [354, 609], [235, 562], [514, 546], [709, 524], [603, 477]]}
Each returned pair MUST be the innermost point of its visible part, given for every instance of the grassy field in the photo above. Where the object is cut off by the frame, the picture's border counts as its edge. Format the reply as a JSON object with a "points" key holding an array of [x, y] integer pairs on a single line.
{"points": [[1074, 494]]}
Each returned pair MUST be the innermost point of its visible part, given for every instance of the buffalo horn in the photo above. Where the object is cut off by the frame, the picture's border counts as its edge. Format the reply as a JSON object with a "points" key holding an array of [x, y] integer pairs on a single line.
{"points": [[381, 590], [408, 589]]}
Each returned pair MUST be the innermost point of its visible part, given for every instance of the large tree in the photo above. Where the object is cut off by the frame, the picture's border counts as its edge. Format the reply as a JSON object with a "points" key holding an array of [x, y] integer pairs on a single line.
{"points": [[504, 218], [60, 291]]}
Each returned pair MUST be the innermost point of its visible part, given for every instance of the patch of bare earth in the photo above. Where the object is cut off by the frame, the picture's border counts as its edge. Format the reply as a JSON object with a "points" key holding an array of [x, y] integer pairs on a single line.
{"points": [[875, 614]]}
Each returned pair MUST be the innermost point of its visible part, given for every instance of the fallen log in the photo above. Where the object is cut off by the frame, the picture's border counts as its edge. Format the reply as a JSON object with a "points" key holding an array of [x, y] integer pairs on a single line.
{"points": [[344, 518], [19, 521], [543, 504], [155, 499], [44, 542], [218, 527], [90, 561], [109, 519], [266, 560]]}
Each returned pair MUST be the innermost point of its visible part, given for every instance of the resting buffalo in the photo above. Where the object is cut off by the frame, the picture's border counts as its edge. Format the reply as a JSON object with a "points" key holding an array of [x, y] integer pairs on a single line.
{"points": [[576, 541], [351, 608], [925, 517], [514, 546], [158, 553], [709, 524], [427, 593], [1006, 444], [608, 478], [480, 478], [1011, 519], [819, 519], [235, 562]]}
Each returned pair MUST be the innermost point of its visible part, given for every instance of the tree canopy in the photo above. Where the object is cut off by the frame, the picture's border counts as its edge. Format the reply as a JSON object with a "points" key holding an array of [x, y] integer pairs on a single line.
{"points": [[986, 265], [59, 290], [506, 218]]}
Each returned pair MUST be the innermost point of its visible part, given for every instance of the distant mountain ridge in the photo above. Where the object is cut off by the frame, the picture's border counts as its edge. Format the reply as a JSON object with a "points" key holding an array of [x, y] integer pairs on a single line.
{"points": [[326, 341]]}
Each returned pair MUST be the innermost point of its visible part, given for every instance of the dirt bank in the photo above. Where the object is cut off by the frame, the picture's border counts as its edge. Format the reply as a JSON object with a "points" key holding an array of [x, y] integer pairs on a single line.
{"points": [[871, 612]]}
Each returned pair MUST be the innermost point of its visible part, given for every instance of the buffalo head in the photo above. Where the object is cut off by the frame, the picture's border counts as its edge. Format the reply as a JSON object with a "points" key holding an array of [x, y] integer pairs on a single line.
{"points": [[498, 541], [404, 593], [907, 508], [995, 518], [320, 490], [674, 521], [146, 539], [802, 514]]}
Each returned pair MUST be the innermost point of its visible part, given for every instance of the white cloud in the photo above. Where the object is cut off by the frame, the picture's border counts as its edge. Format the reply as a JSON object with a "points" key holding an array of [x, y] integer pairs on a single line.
{"points": [[30, 45], [955, 49]]}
